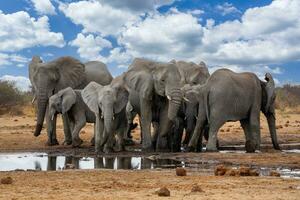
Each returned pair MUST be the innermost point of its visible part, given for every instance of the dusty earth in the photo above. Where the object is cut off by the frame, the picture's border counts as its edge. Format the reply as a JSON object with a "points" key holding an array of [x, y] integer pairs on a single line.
{"points": [[16, 135]]}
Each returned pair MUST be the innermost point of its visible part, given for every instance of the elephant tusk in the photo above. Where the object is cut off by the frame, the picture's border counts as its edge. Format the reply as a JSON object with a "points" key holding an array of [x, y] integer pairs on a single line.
{"points": [[33, 99], [184, 98], [102, 116], [52, 118], [170, 99], [113, 117]]}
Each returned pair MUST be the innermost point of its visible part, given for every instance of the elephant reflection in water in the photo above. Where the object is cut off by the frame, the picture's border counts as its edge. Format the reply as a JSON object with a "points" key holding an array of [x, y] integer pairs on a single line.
{"points": [[52, 162], [108, 162]]}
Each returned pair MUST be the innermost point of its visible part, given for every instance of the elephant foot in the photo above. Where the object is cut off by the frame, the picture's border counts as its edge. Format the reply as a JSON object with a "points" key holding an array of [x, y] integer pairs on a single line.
{"points": [[190, 149], [77, 142], [108, 150], [129, 142], [52, 142], [250, 146], [210, 148], [92, 141], [148, 148], [119, 148], [67, 142]]}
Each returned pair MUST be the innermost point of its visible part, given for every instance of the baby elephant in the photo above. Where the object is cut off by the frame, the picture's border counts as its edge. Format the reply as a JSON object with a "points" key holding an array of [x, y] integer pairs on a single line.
{"points": [[109, 105], [70, 101], [230, 96]]}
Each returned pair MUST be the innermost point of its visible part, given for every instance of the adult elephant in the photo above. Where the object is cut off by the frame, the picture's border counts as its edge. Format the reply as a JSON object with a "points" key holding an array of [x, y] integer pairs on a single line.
{"points": [[48, 78], [230, 96], [191, 74], [146, 81]]}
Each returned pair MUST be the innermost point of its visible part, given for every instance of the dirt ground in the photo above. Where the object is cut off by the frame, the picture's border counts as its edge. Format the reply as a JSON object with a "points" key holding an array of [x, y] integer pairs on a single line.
{"points": [[16, 135]]}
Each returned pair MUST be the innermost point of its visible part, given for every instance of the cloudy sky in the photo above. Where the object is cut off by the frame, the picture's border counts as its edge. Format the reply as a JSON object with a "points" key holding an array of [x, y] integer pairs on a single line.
{"points": [[258, 35]]}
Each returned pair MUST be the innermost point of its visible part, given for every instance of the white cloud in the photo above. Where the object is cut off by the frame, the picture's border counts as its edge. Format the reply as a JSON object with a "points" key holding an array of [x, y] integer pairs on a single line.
{"points": [[19, 30], [227, 8], [196, 12], [137, 5], [21, 82], [44, 7], [9, 59], [163, 36], [89, 47], [96, 17]]}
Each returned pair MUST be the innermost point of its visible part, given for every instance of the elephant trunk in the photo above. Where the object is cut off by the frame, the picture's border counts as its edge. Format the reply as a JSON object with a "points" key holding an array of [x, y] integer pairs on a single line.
{"points": [[272, 129], [42, 102], [108, 123], [175, 99]]}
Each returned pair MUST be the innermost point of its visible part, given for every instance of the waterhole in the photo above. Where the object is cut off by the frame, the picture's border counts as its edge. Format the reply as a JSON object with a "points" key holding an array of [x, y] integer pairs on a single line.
{"points": [[45, 162]]}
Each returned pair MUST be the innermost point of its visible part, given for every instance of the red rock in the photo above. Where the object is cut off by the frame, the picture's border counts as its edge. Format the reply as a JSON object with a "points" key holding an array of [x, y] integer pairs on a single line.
{"points": [[6, 180], [180, 171]]}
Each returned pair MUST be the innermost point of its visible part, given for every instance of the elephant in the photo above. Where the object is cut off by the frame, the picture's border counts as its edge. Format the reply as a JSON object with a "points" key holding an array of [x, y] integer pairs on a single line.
{"points": [[230, 96], [48, 78], [191, 74], [68, 101], [109, 106], [154, 90]]}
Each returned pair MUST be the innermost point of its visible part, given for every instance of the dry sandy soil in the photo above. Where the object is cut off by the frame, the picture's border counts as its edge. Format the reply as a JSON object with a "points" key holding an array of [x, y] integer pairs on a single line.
{"points": [[16, 135]]}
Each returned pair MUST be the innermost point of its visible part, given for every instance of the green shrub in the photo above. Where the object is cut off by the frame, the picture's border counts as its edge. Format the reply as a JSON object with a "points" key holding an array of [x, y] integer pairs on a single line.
{"points": [[12, 99]]}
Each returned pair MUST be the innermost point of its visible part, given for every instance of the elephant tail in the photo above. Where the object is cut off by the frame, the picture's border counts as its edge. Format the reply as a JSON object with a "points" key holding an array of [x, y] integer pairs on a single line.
{"points": [[206, 102]]}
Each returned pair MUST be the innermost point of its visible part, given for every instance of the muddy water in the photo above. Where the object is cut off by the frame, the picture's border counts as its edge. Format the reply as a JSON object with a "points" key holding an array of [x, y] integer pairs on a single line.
{"points": [[45, 162]]}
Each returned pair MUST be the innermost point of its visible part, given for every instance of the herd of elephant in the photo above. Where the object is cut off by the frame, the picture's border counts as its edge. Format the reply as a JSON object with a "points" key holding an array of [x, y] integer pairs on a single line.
{"points": [[170, 99]]}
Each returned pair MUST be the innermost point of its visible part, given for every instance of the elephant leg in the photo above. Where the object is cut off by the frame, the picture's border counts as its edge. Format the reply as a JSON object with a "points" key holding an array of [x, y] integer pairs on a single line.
{"points": [[99, 129], [215, 125], [93, 138], [119, 146], [146, 117], [76, 141], [164, 140], [155, 126], [108, 146], [196, 139], [177, 136], [51, 129], [67, 131], [253, 134], [190, 126], [249, 145]]}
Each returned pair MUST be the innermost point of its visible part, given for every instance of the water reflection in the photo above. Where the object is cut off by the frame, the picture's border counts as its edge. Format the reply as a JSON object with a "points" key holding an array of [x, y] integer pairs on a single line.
{"points": [[44, 162]]}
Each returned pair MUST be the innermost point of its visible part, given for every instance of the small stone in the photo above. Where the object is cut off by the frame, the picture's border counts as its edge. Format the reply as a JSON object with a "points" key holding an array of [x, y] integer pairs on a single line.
{"points": [[15, 120], [244, 171], [180, 171], [286, 125], [279, 127], [196, 188], [222, 130], [6, 180], [220, 170], [228, 130], [232, 172], [274, 173], [163, 192], [287, 122]]}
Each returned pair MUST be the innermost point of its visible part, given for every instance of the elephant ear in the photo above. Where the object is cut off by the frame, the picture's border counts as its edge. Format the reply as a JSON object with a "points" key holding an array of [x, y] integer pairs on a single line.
{"points": [[68, 97], [122, 99], [90, 96], [71, 72]]}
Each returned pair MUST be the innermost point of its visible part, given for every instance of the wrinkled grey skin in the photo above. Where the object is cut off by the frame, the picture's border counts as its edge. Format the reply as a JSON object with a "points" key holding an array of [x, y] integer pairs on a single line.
{"points": [[148, 81], [191, 74], [229, 96], [48, 78], [68, 101], [109, 105]]}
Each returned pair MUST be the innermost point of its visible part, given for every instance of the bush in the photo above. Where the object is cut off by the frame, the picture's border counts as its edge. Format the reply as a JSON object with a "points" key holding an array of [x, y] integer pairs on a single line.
{"points": [[12, 99], [288, 96]]}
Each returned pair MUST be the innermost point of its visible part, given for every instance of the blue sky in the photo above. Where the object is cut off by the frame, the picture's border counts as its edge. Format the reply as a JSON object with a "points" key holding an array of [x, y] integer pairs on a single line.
{"points": [[258, 35]]}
